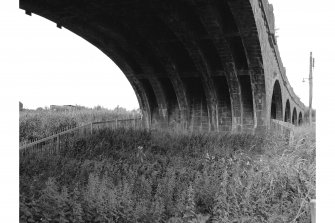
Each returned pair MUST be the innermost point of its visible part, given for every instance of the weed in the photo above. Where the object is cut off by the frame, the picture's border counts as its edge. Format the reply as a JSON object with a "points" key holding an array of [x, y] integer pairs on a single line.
{"points": [[154, 176]]}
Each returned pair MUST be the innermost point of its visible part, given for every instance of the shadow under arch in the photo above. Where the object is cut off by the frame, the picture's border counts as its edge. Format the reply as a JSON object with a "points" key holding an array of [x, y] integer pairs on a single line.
{"points": [[276, 102], [300, 121], [294, 117], [287, 117], [197, 85]]}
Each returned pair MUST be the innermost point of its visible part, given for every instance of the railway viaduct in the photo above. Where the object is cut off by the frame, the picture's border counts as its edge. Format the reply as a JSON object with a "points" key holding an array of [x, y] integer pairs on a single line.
{"points": [[211, 65]]}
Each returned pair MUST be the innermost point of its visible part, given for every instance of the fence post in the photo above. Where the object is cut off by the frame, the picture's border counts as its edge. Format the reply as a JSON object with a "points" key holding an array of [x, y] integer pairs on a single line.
{"points": [[116, 123], [91, 128], [134, 123], [313, 210]]}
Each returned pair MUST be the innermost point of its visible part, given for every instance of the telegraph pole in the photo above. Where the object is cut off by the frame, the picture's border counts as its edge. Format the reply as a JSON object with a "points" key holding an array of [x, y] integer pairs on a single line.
{"points": [[311, 67]]}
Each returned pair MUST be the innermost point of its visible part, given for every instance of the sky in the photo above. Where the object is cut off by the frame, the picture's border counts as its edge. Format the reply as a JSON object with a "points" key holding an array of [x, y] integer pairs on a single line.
{"points": [[55, 66], [42, 65], [58, 67]]}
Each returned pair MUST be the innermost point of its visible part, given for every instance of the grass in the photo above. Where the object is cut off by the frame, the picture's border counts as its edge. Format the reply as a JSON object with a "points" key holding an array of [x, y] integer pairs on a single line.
{"points": [[151, 176], [37, 124]]}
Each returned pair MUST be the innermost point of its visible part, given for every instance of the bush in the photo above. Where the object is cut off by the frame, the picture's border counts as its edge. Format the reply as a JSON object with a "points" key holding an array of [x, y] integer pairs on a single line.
{"points": [[142, 176], [37, 124]]}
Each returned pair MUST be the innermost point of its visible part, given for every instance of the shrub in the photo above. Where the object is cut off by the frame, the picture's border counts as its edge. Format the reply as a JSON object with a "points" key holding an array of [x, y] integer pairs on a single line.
{"points": [[175, 177], [37, 124]]}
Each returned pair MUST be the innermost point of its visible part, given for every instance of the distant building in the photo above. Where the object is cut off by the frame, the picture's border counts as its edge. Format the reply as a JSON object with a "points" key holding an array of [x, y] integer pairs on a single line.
{"points": [[64, 107], [20, 106]]}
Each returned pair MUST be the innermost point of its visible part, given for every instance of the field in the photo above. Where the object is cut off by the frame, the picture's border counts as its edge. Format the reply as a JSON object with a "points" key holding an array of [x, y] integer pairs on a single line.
{"points": [[161, 176], [37, 124]]}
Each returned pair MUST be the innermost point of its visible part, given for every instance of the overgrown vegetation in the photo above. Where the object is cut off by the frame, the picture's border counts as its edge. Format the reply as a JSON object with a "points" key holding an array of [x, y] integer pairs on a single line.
{"points": [[142, 176], [40, 123]]}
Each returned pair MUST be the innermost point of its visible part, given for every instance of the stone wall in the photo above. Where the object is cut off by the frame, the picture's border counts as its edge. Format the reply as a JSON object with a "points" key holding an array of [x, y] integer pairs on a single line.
{"points": [[273, 66]]}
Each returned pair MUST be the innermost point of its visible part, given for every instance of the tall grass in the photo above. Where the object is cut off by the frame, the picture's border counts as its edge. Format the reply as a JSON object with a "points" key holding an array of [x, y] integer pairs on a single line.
{"points": [[142, 176], [37, 124]]}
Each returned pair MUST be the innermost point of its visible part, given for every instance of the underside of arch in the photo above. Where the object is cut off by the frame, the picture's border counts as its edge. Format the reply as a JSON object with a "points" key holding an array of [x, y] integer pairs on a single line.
{"points": [[192, 64], [300, 119], [287, 117], [294, 117], [276, 102]]}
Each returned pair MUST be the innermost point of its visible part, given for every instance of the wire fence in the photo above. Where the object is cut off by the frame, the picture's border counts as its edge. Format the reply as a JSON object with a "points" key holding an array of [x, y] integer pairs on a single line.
{"points": [[52, 144]]}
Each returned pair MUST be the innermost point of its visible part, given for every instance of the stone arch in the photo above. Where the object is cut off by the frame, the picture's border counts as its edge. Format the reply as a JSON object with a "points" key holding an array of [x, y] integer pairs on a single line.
{"points": [[287, 117], [193, 63], [294, 117], [248, 53], [125, 52], [276, 102], [300, 121]]}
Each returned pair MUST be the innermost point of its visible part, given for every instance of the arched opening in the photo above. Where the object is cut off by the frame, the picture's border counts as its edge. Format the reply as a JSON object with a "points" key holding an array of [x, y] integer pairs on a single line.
{"points": [[294, 117], [125, 56], [172, 60], [58, 55], [300, 119], [276, 102], [287, 117]]}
